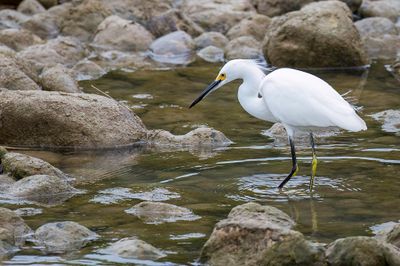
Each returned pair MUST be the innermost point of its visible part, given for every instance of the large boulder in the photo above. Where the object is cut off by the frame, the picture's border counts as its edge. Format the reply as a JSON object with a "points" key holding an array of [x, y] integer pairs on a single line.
{"points": [[273, 8], [259, 235], [321, 34], [219, 16], [19, 39], [363, 251], [13, 77], [20, 165], [133, 248], [380, 37], [121, 34], [61, 237], [254, 26], [381, 8], [58, 78], [174, 48], [53, 119]]}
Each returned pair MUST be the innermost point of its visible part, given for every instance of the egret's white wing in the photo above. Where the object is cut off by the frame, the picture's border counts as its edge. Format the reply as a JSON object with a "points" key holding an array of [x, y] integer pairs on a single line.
{"points": [[299, 99]]}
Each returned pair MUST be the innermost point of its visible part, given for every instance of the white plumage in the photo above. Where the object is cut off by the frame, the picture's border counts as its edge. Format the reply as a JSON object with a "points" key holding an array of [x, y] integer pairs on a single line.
{"points": [[299, 100]]}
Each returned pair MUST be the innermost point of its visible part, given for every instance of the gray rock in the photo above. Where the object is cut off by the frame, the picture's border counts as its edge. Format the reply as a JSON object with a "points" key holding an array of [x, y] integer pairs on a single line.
{"points": [[42, 189], [120, 34], [254, 26], [13, 77], [390, 235], [58, 78], [170, 21], [273, 8], [326, 25], [245, 47], [259, 235], [133, 248], [390, 119], [196, 137], [11, 19], [174, 48], [376, 27], [383, 8], [30, 7], [218, 15], [20, 165], [160, 212], [13, 229], [7, 51], [395, 68], [19, 39], [86, 70], [62, 237], [73, 120], [361, 250], [211, 38], [211, 54], [43, 25], [62, 50]]}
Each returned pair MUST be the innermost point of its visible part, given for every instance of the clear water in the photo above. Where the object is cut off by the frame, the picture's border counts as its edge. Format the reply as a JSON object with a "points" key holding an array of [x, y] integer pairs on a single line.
{"points": [[357, 187]]}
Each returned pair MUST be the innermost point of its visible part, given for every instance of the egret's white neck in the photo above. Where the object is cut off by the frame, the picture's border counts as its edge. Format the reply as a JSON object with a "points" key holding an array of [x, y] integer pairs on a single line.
{"points": [[248, 93]]}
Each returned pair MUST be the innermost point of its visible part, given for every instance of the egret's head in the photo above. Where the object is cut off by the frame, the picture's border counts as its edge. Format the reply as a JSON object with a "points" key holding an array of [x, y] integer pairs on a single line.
{"points": [[228, 73]]}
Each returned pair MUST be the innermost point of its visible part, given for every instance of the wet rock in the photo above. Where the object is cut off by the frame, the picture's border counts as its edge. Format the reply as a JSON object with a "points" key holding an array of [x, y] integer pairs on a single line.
{"points": [[255, 26], [66, 51], [83, 19], [383, 8], [61, 237], [325, 28], [390, 119], [120, 34], [159, 212], [111, 60], [71, 120], [273, 8], [259, 235], [19, 39], [395, 68], [174, 48], [28, 211], [30, 7], [211, 38], [43, 25], [86, 70], [196, 137], [12, 76], [20, 165], [245, 47], [58, 78], [380, 37], [42, 189], [133, 248], [218, 15], [11, 19], [211, 54], [361, 250], [170, 21], [390, 235], [13, 229]]}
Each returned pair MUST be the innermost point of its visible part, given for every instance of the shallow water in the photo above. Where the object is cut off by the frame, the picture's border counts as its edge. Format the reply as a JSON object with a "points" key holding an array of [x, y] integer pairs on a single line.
{"points": [[357, 187]]}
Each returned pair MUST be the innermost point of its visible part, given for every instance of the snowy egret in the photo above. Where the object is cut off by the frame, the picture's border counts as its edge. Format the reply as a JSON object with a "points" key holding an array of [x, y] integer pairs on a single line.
{"points": [[298, 100]]}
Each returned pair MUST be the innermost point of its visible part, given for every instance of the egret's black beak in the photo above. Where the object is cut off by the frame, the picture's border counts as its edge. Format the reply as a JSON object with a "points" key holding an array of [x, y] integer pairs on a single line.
{"points": [[205, 92]]}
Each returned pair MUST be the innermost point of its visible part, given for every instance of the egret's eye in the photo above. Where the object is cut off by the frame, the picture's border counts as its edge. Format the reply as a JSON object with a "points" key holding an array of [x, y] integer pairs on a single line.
{"points": [[222, 76]]}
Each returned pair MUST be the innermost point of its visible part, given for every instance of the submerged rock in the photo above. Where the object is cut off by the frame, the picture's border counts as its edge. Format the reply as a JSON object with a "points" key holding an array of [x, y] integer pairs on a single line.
{"points": [[20, 165], [174, 48], [86, 69], [362, 250], [133, 248], [42, 189], [325, 28], [245, 47], [61, 237], [211, 38], [13, 77], [66, 120], [13, 229], [19, 39], [259, 235], [254, 26], [159, 212], [381, 8], [120, 34], [30, 7], [390, 120], [211, 54], [58, 78]]}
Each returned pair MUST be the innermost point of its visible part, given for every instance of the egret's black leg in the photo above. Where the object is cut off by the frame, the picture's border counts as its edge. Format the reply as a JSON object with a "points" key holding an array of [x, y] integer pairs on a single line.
{"points": [[294, 163], [314, 161]]}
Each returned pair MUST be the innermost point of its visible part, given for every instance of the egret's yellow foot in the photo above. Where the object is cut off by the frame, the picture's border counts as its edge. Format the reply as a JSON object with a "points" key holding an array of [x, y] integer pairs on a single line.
{"points": [[313, 171]]}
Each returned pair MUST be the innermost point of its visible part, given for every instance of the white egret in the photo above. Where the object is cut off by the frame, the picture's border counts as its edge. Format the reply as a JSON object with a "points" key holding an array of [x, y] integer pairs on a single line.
{"points": [[298, 100]]}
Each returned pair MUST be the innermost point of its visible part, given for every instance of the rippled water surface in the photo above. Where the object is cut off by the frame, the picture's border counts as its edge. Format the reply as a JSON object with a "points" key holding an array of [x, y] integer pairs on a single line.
{"points": [[357, 188]]}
